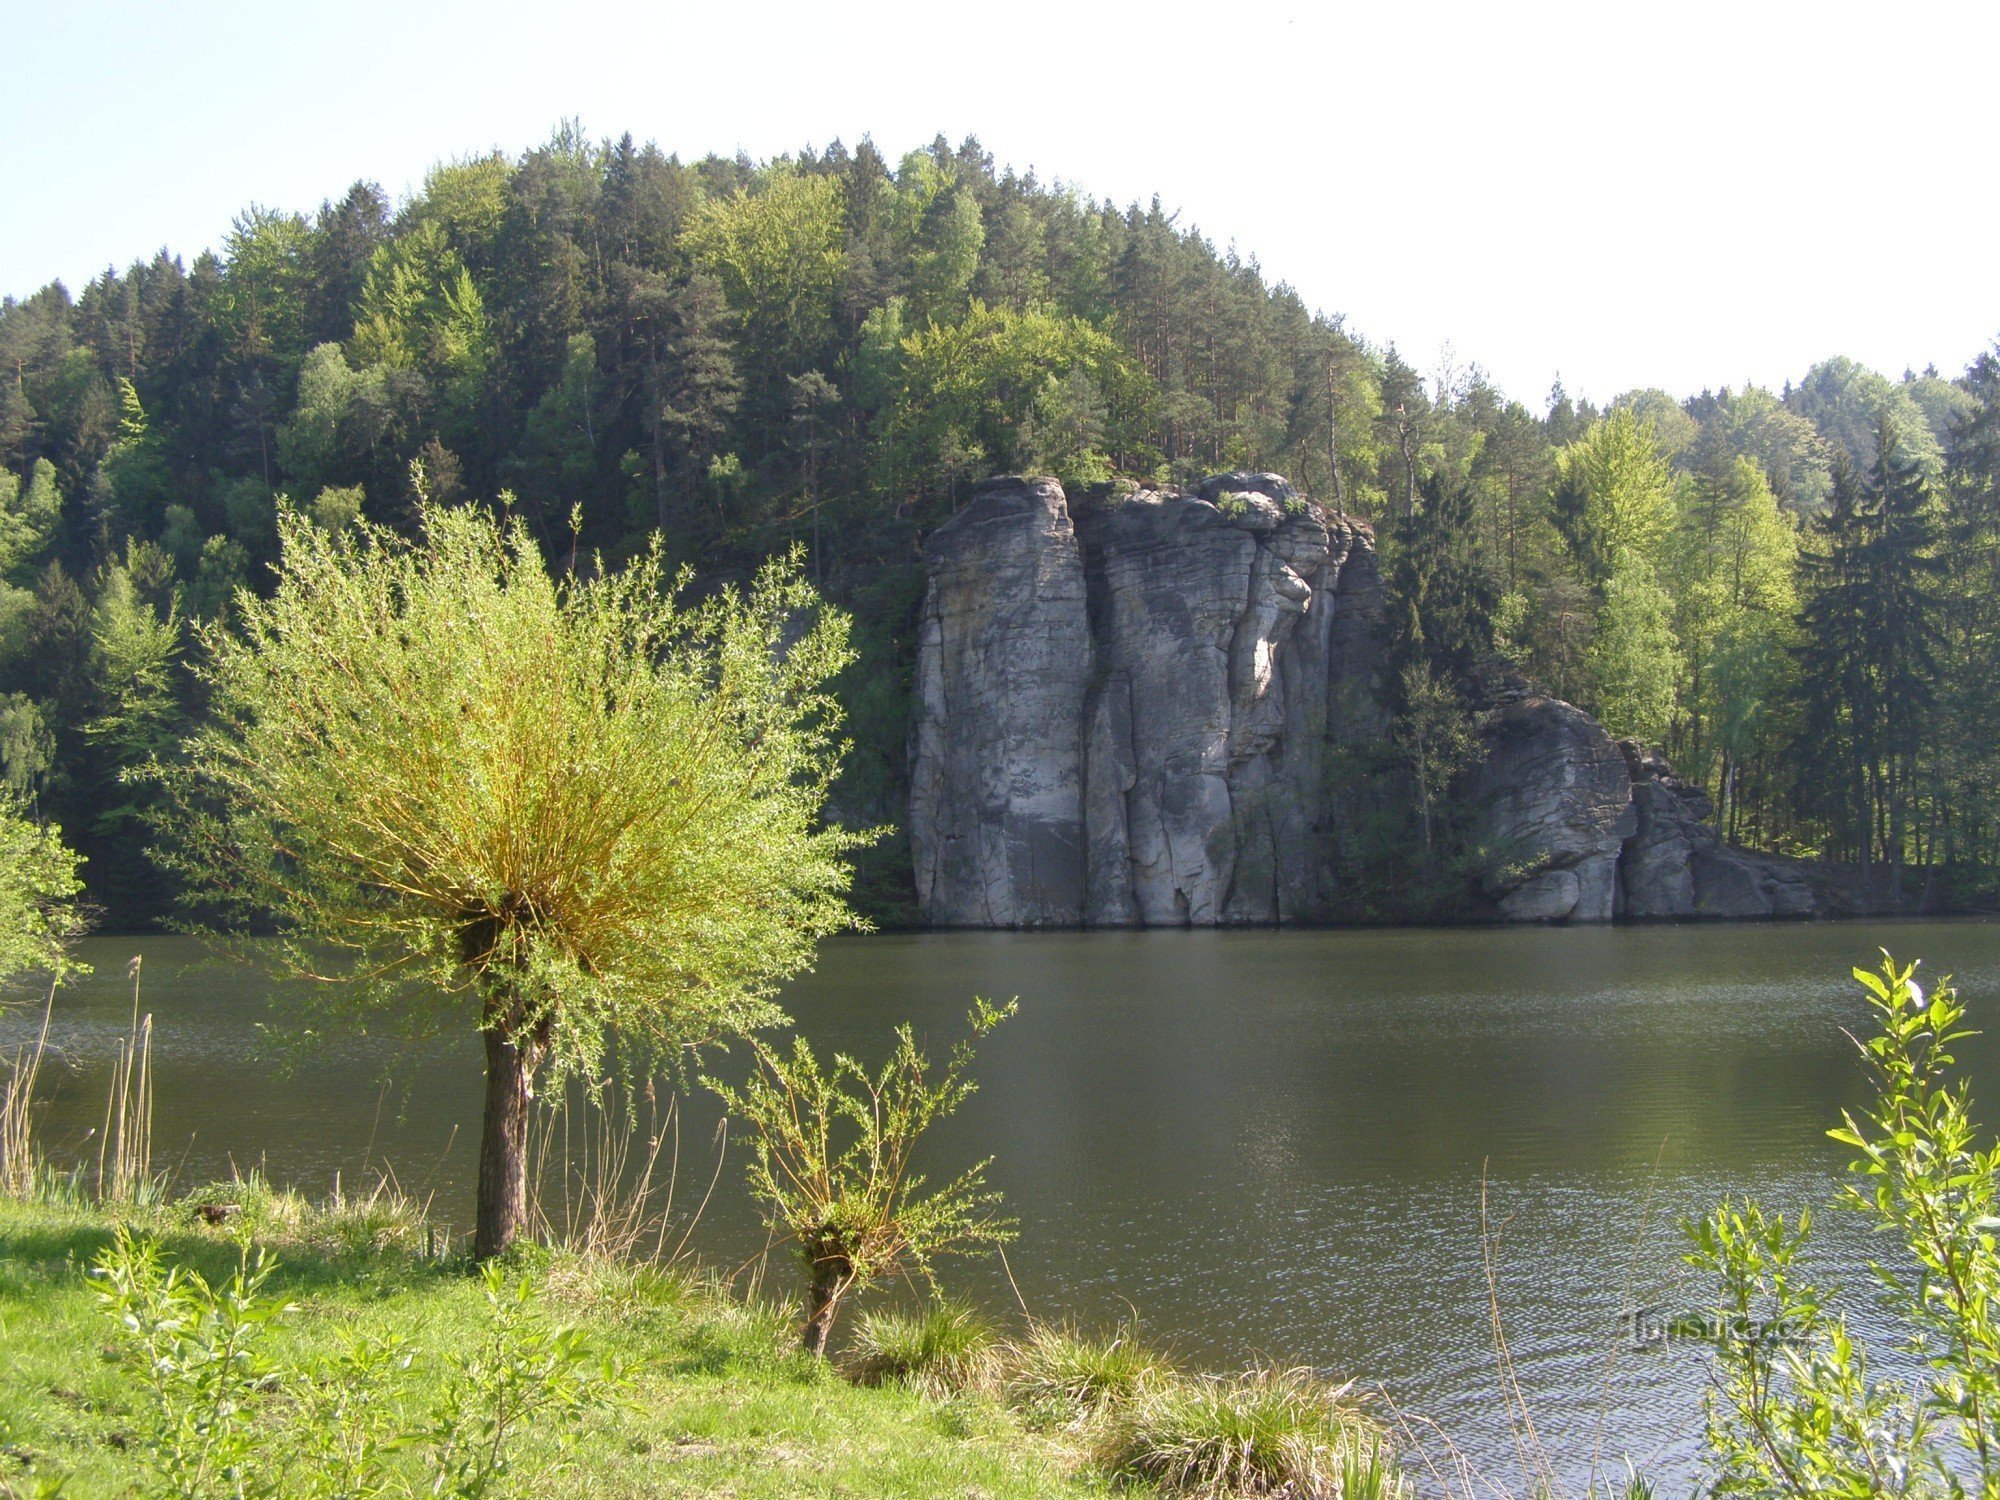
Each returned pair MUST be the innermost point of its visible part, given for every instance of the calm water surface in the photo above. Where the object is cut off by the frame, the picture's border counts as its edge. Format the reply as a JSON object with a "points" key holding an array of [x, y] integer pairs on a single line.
{"points": [[1270, 1144]]}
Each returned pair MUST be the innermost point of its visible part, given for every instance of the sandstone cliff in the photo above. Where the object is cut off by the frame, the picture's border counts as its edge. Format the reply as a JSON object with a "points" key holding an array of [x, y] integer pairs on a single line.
{"points": [[1126, 717]]}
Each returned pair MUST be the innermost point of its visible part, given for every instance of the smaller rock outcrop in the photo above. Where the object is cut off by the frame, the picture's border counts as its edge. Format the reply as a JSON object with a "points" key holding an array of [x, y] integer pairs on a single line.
{"points": [[1675, 863], [1555, 809]]}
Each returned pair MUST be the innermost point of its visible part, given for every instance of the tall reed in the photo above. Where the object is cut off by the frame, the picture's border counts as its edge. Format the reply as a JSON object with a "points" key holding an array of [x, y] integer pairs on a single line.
{"points": [[125, 1148], [20, 1156], [605, 1163]]}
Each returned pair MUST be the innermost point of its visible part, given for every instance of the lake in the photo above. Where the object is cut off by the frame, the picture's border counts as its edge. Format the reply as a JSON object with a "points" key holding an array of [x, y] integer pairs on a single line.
{"points": [[1270, 1144]]}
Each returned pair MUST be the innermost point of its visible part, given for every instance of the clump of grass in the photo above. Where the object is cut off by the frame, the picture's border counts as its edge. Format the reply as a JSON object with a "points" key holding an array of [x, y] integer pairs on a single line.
{"points": [[631, 1290], [1267, 1432], [942, 1350], [382, 1219], [1059, 1374], [248, 1202]]}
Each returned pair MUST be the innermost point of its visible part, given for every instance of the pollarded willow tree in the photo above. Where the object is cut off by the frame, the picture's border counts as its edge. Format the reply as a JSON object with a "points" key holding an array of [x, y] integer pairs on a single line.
{"points": [[567, 810]]}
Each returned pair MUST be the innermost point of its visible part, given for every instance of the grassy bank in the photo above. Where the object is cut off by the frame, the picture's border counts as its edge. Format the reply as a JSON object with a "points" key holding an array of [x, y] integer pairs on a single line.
{"points": [[710, 1396]]}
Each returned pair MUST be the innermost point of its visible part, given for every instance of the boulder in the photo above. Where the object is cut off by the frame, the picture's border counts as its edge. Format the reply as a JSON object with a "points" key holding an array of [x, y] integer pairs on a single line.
{"points": [[1554, 802], [1676, 864]]}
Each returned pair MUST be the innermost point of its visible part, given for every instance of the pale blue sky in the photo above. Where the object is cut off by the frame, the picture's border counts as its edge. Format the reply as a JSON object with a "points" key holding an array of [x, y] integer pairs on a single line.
{"points": [[1678, 195]]}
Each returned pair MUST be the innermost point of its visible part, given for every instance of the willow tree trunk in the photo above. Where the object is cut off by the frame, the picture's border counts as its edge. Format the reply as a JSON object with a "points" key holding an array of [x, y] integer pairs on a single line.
{"points": [[503, 1142], [831, 1276]]}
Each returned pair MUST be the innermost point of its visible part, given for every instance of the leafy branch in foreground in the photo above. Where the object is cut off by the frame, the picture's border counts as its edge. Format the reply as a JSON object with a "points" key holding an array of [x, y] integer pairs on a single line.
{"points": [[217, 1421], [566, 810], [199, 1348], [1795, 1408], [833, 1147]]}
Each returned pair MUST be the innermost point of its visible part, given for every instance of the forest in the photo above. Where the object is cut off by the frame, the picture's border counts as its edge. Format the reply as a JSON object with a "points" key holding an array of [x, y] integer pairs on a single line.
{"points": [[1795, 593]]}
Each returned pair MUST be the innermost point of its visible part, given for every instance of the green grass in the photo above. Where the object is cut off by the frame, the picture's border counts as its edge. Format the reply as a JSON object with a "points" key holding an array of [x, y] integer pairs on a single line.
{"points": [[720, 1404]]}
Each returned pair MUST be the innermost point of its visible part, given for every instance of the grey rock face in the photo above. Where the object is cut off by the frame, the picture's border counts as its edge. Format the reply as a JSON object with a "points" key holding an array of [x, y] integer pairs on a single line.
{"points": [[1555, 808], [1003, 661], [1676, 864], [1214, 623], [1132, 731], [1128, 718]]}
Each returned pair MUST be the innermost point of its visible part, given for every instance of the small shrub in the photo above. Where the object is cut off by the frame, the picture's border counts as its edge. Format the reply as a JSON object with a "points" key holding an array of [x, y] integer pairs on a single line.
{"points": [[198, 1350], [942, 1350], [1269, 1432], [833, 1148], [1060, 1374], [526, 1375], [344, 1438]]}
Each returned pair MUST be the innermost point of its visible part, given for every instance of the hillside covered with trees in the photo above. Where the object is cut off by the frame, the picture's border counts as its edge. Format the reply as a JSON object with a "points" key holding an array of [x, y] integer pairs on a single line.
{"points": [[1795, 593]]}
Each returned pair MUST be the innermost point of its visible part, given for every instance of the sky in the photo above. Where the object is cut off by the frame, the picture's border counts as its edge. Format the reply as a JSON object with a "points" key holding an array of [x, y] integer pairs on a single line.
{"points": [[1679, 195]]}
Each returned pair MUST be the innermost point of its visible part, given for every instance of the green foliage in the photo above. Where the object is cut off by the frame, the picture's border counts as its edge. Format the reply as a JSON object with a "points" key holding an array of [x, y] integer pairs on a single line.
{"points": [[705, 1380], [1439, 739], [223, 1415], [1797, 1408], [1622, 496], [999, 389], [1848, 403], [27, 747], [527, 1373], [132, 483], [40, 914], [420, 309], [337, 507], [198, 1350], [833, 1148], [560, 440], [28, 517], [1634, 658], [779, 253], [1387, 871], [1871, 649]]}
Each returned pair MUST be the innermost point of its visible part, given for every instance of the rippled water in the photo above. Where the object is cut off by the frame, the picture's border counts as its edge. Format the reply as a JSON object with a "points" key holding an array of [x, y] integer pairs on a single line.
{"points": [[1271, 1145]]}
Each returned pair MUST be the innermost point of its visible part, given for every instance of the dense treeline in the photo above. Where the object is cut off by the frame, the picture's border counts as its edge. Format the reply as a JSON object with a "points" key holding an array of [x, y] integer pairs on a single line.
{"points": [[1793, 592]]}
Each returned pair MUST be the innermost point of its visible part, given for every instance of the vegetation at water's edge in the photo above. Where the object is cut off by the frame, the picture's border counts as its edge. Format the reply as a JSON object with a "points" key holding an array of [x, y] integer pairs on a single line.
{"points": [[828, 348], [706, 1393]]}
